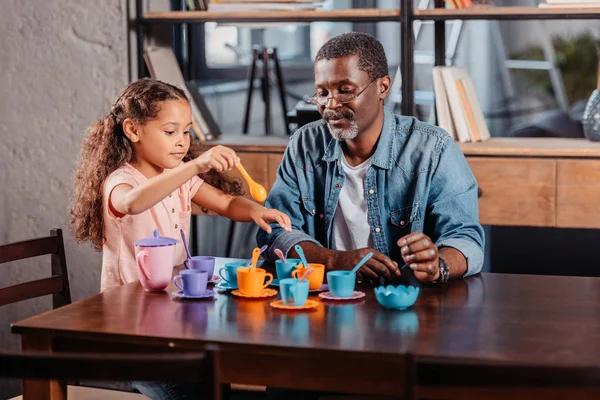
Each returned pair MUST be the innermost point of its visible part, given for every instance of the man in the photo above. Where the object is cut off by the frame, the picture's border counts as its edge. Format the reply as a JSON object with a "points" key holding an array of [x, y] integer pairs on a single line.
{"points": [[364, 180]]}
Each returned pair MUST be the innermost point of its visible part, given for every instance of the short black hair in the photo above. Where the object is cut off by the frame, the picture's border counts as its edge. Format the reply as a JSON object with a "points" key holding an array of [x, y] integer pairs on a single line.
{"points": [[371, 56]]}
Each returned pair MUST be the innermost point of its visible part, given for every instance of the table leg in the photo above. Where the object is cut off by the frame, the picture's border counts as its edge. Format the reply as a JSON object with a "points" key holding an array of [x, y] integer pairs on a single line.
{"points": [[40, 389]]}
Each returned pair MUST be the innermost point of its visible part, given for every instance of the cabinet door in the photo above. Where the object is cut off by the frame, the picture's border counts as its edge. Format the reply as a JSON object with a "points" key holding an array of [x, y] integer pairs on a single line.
{"points": [[578, 194], [516, 191], [274, 160]]}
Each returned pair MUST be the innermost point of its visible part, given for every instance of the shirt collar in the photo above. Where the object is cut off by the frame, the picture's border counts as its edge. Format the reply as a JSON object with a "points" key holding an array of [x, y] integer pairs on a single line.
{"points": [[383, 154]]}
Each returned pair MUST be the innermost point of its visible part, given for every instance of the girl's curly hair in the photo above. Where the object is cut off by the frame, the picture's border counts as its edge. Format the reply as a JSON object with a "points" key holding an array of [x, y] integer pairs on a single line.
{"points": [[105, 148]]}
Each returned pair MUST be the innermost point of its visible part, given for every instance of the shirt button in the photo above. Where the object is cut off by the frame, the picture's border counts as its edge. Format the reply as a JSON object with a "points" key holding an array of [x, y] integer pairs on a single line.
{"points": [[377, 230], [402, 223], [321, 216], [173, 210], [170, 195], [337, 185], [175, 226], [371, 191]]}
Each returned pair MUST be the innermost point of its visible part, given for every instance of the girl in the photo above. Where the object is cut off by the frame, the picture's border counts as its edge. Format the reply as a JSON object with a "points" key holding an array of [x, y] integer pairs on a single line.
{"points": [[138, 171]]}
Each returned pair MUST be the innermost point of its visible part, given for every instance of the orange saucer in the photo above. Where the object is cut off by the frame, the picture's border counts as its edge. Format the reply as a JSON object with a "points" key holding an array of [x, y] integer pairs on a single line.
{"points": [[279, 304], [265, 293]]}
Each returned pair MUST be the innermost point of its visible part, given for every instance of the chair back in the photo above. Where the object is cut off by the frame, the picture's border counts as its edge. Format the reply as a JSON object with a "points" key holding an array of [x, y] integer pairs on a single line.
{"points": [[199, 366], [57, 284]]}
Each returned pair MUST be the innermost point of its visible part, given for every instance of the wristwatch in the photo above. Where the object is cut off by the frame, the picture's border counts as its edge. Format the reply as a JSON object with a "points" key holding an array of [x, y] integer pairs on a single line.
{"points": [[444, 271]]}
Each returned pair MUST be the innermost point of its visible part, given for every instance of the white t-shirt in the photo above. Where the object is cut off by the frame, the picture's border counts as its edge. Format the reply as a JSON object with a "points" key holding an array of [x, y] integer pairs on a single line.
{"points": [[351, 229]]}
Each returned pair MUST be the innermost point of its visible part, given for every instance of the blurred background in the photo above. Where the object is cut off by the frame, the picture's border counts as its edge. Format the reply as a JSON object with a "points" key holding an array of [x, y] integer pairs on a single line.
{"points": [[63, 62]]}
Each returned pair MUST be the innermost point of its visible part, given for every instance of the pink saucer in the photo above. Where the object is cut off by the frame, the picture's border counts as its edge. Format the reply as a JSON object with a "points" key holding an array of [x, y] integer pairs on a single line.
{"points": [[357, 294], [324, 287]]}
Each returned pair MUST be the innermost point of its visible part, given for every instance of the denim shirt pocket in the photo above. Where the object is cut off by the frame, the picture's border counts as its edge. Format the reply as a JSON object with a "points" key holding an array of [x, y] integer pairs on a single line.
{"points": [[403, 218], [309, 205]]}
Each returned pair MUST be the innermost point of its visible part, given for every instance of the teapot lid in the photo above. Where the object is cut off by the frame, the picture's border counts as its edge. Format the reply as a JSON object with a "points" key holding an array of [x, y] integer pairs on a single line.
{"points": [[155, 241]]}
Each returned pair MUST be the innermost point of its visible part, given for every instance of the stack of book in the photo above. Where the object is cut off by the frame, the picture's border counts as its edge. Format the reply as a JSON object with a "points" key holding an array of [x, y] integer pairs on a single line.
{"points": [[456, 105], [570, 4], [253, 5]]}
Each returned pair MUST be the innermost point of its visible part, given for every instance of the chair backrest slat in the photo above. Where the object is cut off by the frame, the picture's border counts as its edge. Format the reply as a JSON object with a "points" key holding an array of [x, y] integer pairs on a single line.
{"points": [[28, 249], [31, 290], [198, 366], [123, 367], [58, 283]]}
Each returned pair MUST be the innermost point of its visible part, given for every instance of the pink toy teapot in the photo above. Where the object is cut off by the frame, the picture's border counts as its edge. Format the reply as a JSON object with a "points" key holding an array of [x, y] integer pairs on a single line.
{"points": [[155, 258]]}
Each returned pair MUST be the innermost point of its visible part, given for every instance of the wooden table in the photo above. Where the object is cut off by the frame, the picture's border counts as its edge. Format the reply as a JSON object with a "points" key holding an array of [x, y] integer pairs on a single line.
{"points": [[344, 347]]}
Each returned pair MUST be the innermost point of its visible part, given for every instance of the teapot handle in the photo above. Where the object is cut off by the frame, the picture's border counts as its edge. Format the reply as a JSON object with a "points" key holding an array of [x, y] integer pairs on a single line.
{"points": [[140, 260]]}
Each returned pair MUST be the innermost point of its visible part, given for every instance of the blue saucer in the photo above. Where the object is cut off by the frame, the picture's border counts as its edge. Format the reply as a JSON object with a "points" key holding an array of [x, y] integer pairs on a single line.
{"points": [[206, 295], [225, 286]]}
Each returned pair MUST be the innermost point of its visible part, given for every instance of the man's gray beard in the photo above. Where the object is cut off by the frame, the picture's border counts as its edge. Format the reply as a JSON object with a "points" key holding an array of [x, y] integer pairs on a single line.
{"points": [[344, 134]]}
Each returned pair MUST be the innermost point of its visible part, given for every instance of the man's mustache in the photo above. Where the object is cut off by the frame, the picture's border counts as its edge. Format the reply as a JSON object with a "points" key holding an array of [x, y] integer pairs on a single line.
{"points": [[329, 114]]}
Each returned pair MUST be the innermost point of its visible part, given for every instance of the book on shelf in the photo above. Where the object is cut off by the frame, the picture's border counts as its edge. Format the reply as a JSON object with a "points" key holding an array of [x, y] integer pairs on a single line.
{"points": [[196, 5], [457, 107], [442, 110], [457, 4], [162, 64]]}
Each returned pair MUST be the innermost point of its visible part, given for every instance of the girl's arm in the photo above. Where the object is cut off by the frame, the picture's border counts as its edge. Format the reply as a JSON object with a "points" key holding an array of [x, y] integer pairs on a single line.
{"points": [[125, 199], [239, 209]]}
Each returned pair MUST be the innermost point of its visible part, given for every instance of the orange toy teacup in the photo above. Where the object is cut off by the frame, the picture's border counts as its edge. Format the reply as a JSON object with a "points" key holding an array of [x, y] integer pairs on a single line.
{"points": [[315, 279], [252, 283]]}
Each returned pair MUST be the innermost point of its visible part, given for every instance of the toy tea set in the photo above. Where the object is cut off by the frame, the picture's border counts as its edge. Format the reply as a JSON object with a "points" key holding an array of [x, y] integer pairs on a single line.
{"points": [[296, 278]]}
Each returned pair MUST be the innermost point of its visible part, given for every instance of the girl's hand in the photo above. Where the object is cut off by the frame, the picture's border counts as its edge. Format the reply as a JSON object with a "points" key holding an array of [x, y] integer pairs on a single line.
{"points": [[219, 158], [263, 216]]}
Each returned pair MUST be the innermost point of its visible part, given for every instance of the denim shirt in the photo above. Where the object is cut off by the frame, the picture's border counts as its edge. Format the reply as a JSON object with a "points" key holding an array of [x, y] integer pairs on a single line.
{"points": [[418, 181]]}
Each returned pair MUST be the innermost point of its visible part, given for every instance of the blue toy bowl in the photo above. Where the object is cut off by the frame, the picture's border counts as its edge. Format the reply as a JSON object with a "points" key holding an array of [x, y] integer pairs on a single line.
{"points": [[397, 297]]}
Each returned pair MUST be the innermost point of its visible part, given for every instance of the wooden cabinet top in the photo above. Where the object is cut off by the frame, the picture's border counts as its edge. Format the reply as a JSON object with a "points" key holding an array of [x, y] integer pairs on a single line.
{"points": [[495, 147], [533, 147]]}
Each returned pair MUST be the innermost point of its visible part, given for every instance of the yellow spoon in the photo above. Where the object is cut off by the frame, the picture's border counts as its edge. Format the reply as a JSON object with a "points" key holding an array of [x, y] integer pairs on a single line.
{"points": [[255, 255], [257, 191]]}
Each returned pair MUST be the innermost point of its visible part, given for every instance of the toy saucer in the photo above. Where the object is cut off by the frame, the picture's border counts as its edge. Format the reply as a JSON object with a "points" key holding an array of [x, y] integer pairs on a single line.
{"points": [[225, 286], [280, 304], [357, 294], [265, 293], [206, 295], [324, 287]]}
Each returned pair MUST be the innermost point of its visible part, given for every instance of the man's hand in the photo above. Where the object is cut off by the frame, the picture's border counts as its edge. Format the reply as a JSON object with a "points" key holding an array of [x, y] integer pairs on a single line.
{"points": [[421, 255], [376, 266]]}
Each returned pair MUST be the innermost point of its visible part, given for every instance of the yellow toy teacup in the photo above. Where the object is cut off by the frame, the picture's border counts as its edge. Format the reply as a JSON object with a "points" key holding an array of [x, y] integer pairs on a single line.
{"points": [[315, 279]]}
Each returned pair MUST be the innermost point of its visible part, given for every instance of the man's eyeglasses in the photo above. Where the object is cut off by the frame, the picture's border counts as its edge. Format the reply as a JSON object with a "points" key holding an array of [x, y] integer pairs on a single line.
{"points": [[341, 98]]}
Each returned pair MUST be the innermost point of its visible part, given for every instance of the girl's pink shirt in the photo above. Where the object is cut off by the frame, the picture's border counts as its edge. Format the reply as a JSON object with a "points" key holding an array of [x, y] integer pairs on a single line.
{"points": [[168, 216]]}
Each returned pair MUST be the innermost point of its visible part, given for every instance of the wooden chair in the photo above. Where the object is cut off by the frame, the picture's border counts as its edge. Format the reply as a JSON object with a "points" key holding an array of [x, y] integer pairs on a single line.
{"points": [[449, 379], [57, 285], [173, 367]]}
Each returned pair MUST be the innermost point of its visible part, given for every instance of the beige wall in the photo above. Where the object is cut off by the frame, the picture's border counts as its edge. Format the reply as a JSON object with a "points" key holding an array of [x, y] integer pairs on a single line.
{"points": [[61, 64]]}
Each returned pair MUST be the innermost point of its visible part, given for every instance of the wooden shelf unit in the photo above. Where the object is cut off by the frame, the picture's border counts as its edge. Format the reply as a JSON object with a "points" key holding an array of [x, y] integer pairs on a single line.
{"points": [[352, 15], [524, 181]]}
